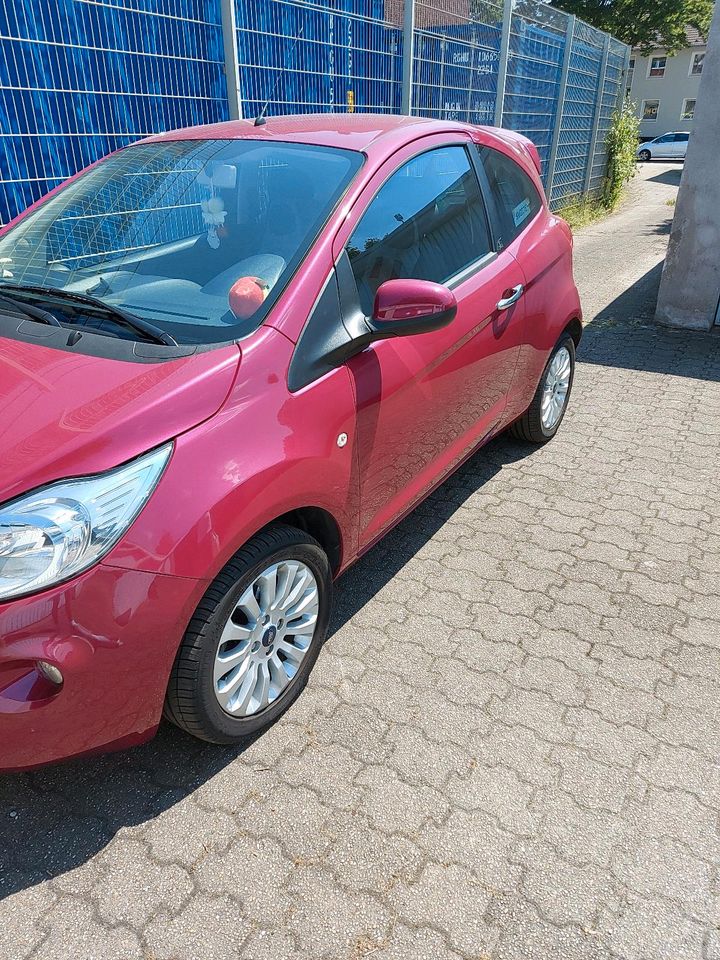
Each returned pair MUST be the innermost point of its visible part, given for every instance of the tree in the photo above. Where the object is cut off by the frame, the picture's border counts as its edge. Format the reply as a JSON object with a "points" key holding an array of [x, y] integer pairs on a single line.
{"points": [[647, 24]]}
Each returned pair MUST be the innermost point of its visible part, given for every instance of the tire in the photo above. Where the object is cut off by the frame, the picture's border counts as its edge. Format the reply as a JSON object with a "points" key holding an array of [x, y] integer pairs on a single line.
{"points": [[530, 426], [193, 701], [644, 155]]}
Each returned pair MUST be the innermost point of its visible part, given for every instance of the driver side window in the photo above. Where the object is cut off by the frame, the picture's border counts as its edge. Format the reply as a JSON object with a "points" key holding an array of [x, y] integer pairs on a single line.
{"points": [[427, 222]]}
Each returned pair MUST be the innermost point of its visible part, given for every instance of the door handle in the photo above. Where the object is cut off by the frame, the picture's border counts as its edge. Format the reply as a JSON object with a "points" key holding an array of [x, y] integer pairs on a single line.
{"points": [[507, 302]]}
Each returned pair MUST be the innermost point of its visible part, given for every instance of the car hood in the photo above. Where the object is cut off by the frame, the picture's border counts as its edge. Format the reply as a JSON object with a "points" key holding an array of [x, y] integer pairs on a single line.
{"points": [[65, 415]]}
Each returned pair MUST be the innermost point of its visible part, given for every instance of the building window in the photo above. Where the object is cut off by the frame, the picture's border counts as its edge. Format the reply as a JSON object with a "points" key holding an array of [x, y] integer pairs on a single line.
{"points": [[696, 64], [688, 110], [630, 73], [657, 66], [650, 109]]}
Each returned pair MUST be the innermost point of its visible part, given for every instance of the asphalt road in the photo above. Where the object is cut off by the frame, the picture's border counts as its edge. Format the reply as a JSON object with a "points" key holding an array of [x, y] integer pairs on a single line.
{"points": [[509, 748]]}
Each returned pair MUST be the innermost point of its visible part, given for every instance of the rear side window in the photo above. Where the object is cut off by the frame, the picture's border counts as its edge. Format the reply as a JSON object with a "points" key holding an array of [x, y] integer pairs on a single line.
{"points": [[427, 222], [516, 200]]}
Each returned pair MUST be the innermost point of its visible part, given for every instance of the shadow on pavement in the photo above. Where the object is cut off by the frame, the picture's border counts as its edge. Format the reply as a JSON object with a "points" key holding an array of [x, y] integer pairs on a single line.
{"points": [[55, 819], [670, 177], [624, 334]]}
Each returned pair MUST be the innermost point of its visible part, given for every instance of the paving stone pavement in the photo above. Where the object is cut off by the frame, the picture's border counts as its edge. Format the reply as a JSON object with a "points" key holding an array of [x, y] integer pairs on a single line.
{"points": [[508, 749]]}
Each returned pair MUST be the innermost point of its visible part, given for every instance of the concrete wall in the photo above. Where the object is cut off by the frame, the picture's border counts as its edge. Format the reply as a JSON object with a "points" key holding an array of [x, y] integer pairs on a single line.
{"points": [[690, 286], [671, 90]]}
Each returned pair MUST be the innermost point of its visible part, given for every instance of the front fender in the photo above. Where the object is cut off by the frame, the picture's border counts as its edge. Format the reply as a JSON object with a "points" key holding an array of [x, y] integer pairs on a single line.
{"points": [[266, 453]]}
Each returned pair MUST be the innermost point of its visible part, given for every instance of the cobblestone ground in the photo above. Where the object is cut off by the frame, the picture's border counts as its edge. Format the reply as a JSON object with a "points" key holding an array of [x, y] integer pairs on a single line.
{"points": [[508, 748]]}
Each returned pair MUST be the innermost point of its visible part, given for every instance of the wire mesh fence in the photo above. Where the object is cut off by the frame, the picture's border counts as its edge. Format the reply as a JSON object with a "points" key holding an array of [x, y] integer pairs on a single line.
{"points": [[613, 89], [456, 59], [80, 78], [535, 75], [301, 56], [577, 119]]}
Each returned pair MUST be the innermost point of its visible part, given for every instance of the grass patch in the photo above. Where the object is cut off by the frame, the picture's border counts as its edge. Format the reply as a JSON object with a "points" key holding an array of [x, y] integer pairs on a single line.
{"points": [[671, 202], [583, 212]]}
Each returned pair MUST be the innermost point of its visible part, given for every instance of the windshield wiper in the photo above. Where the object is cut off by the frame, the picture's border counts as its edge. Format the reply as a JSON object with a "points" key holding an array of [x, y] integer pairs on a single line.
{"points": [[122, 317], [32, 313]]}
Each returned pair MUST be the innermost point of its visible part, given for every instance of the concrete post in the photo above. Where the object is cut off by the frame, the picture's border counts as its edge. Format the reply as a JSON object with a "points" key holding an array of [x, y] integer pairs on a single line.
{"points": [[598, 111], [408, 56], [690, 285], [502, 63], [552, 159], [232, 69]]}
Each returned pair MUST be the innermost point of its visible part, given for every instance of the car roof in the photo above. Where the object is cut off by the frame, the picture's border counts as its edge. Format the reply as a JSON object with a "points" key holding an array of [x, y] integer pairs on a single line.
{"points": [[378, 135], [370, 133], [354, 131]]}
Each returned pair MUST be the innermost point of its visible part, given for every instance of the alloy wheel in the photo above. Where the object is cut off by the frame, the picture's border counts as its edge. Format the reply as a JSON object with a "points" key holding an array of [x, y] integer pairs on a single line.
{"points": [[555, 389], [266, 638]]}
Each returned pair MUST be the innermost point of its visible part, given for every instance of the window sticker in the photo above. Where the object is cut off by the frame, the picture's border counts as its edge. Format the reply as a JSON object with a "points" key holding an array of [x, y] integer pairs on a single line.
{"points": [[521, 212]]}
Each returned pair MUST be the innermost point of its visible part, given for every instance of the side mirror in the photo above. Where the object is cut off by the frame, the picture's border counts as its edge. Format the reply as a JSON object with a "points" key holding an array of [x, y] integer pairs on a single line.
{"points": [[405, 307]]}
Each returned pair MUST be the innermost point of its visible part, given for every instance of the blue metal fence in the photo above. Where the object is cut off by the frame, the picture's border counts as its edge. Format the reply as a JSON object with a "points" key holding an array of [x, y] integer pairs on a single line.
{"points": [[534, 83], [302, 55], [79, 78], [456, 64]]}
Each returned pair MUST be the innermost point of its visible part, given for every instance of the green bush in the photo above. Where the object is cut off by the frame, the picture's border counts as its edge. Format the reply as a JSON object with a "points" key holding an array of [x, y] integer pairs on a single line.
{"points": [[622, 143]]}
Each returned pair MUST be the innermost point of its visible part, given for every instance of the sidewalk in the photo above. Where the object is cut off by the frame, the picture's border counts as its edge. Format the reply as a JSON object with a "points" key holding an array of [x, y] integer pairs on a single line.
{"points": [[509, 748], [625, 252]]}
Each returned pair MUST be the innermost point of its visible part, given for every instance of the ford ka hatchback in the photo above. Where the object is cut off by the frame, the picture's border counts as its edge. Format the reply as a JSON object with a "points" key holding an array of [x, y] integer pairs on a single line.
{"points": [[232, 358]]}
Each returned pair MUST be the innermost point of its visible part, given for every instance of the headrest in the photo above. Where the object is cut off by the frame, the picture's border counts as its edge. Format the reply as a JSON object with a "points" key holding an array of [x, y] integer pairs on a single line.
{"points": [[222, 176]]}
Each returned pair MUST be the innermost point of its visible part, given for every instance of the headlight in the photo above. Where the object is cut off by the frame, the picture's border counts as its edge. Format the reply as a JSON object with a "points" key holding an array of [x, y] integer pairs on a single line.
{"points": [[54, 533]]}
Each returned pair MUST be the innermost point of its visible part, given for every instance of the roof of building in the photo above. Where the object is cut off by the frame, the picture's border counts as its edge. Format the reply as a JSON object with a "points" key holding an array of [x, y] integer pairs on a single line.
{"points": [[693, 38]]}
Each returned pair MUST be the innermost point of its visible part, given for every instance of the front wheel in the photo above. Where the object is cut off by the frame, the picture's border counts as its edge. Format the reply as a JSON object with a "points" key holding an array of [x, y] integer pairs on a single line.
{"points": [[254, 638], [541, 421], [645, 155]]}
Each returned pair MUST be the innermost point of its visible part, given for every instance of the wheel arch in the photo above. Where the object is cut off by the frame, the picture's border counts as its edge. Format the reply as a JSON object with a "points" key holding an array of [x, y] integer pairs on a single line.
{"points": [[322, 526], [575, 329]]}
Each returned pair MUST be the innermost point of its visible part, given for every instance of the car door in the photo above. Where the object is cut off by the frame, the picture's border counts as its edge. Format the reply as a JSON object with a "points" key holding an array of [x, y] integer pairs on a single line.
{"points": [[539, 244], [664, 147], [681, 145], [424, 401]]}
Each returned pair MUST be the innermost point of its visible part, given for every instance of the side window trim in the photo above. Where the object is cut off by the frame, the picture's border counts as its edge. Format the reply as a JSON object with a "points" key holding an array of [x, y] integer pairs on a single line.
{"points": [[491, 200], [473, 162], [491, 210], [471, 270], [470, 152]]}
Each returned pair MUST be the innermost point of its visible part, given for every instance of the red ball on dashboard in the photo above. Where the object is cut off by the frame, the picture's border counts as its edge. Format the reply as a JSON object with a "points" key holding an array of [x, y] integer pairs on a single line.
{"points": [[246, 296]]}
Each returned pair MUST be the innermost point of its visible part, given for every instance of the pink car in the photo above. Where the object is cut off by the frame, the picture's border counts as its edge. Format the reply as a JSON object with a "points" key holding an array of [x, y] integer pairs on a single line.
{"points": [[232, 358]]}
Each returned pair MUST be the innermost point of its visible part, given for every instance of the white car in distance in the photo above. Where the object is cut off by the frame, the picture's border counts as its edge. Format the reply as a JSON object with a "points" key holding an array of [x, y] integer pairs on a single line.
{"points": [[670, 146]]}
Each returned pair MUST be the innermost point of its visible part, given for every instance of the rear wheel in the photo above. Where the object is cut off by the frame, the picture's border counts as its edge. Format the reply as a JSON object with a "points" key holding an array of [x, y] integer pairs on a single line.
{"points": [[541, 421], [645, 155], [254, 639]]}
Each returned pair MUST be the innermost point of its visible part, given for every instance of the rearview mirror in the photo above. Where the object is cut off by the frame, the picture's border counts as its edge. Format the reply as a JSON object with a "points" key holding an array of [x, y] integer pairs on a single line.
{"points": [[405, 307]]}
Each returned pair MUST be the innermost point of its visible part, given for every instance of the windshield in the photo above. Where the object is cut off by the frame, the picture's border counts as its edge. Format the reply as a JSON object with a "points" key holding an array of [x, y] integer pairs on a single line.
{"points": [[197, 236]]}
